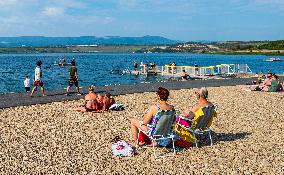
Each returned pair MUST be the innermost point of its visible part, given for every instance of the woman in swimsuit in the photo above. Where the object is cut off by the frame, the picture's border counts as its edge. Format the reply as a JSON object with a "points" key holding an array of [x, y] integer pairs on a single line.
{"points": [[91, 103], [162, 97]]}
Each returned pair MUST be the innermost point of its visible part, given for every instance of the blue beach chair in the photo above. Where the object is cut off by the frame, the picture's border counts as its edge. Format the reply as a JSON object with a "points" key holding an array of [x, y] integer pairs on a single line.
{"points": [[162, 130]]}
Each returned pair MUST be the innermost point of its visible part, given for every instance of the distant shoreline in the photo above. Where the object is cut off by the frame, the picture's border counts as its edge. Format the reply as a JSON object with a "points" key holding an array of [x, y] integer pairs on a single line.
{"points": [[121, 49]]}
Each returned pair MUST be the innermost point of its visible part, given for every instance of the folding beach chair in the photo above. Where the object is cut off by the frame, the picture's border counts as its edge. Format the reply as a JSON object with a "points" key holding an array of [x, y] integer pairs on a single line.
{"points": [[162, 130], [198, 126]]}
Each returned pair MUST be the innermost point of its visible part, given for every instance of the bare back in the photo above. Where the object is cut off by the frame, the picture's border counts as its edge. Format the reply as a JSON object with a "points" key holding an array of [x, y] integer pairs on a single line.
{"points": [[91, 101]]}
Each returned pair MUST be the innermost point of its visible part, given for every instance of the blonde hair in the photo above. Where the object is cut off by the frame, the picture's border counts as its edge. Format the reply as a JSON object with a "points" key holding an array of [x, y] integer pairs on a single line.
{"points": [[91, 88]]}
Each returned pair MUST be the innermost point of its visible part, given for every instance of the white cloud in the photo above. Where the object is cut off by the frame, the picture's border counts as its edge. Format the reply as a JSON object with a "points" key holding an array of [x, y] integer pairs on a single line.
{"points": [[53, 11]]}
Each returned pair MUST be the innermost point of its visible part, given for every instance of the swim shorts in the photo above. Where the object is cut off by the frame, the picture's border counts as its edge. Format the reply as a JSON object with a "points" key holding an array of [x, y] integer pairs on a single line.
{"points": [[71, 81], [38, 82]]}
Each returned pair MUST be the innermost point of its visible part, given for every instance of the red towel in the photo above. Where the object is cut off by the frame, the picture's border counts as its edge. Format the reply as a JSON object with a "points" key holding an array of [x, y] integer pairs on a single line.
{"points": [[143, 138]]}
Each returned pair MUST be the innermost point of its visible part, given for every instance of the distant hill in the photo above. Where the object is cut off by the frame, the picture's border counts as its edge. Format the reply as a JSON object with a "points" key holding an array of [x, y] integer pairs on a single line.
{"points": [[41, 41]]}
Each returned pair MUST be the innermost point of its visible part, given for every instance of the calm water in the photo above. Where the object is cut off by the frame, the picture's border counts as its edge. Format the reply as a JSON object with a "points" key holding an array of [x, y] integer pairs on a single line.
{"points": [[96, 68]]}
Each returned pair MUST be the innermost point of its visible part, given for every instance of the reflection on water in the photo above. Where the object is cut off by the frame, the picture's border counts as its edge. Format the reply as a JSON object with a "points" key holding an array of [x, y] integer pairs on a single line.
{"points": [[106, 68]]}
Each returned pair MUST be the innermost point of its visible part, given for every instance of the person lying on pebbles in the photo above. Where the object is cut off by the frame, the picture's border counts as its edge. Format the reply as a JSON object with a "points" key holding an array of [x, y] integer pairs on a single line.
{"points": [[108, 101], [105, 102], [95, 102], [150, 117]]}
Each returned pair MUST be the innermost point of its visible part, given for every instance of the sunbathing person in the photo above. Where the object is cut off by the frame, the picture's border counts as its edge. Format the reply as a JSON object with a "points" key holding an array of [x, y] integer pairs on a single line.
{"points": [[100, 101], [264, 86], [91, 103], [201, 95], [275, 85], [150, 115], [108, 101]]}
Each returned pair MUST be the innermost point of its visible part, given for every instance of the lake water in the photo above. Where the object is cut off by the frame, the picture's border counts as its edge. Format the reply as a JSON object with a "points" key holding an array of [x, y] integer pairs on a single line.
{"points": [[95, 68]]}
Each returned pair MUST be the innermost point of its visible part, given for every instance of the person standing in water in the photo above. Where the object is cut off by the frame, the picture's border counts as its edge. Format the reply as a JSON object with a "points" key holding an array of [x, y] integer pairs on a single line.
{"points": [[38, 81], [73, 78]]}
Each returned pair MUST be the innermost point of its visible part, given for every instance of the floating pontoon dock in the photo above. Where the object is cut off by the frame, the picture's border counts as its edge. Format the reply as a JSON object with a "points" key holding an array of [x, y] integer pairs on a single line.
{"points": [[193, 71]]}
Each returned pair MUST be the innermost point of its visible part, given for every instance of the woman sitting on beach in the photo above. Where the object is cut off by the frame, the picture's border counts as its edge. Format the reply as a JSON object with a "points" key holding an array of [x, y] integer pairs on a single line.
{"points": [[91, 103], [149, 116], [201, 95]]}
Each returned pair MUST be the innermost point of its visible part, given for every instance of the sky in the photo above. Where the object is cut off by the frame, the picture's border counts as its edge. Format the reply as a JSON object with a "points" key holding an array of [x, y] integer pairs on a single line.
{"points": [[186, 20]]}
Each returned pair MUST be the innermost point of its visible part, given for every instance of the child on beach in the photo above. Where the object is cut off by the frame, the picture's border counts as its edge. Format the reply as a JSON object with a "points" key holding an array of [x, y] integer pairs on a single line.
{"points": [[27, 84]]}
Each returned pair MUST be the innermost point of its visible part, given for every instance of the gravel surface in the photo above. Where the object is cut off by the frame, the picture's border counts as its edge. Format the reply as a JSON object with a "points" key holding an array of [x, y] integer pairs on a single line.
{"points": [[53, 139]]}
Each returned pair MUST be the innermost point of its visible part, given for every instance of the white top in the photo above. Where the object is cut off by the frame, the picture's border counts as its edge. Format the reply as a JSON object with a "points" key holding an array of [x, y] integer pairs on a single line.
{"points": [[27, 82], [37, 73]]}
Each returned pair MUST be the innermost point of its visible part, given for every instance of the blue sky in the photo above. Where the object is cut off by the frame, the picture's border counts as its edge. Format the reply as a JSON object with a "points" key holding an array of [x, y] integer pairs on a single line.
{"points": [[176, 19]]}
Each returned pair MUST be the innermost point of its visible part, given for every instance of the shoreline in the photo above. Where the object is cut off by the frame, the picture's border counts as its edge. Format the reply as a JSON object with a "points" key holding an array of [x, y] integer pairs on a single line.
{"points": [[23, 99], [103, 52]]}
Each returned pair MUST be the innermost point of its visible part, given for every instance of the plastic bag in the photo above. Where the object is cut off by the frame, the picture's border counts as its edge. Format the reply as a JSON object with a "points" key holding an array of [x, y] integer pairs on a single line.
{"points": [[121, 148]]}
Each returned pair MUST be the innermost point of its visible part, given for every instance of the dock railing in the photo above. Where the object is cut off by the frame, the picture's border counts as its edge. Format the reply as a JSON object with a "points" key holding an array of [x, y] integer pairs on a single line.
{"points": [[174, 71], [191, 70]]}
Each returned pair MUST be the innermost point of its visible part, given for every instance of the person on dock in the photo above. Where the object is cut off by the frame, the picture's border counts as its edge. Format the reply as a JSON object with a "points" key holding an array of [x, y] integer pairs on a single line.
{"points": [[174, 67], [184, 75], [135, 66], [27, 84], [37, 80], [73, 78]]}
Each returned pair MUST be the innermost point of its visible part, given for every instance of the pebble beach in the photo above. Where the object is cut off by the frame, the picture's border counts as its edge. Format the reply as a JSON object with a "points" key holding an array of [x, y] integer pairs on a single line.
{"points": [[53, 139]]}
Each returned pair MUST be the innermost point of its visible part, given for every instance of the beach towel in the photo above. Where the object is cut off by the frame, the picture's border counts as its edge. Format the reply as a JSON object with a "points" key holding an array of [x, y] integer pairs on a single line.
{"points": [[143, 138], [117, 107]]}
